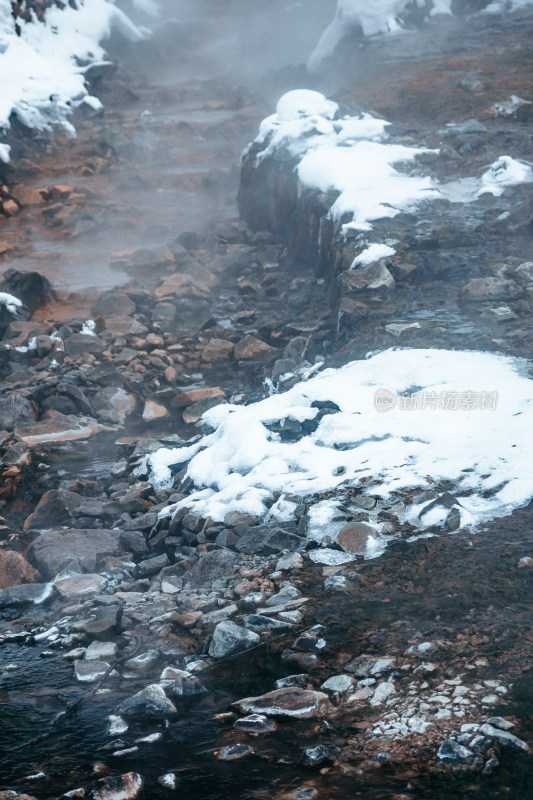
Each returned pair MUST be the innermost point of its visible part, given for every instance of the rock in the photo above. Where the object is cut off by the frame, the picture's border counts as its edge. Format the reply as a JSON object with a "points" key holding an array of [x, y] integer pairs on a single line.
{"points": [[187, 686], [305, 792], [524, 273], [501, 723], [101, 651], [144, 661], [149, 703], [192, 414], [249, 348], [452, 752], [503, 737], [121, 787], [184, 399], [481, 289], [229, 638], [103, 622], [14, 569], [32, 288], [289, 561], [134, 542], [382, 693], [78, 586], [25, 594], [54, 509], [234, 752], [314, 756], [152, 565], [370, 667], [261, 624], [255, 723], [153, 411], [60, 428], [114, 304], [354, 537], [338, 684], [15, 410], [217, 350], [526, 561], [289, 702], [336, 583], [263, 540], [53, 550], [114, 405], [90, 671], [370, 276], [211, 567], [80, 343]]}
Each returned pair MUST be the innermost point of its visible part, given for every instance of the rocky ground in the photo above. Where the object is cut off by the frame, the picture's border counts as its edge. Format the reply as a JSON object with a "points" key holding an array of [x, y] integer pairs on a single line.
{"points": [[141, 655]]}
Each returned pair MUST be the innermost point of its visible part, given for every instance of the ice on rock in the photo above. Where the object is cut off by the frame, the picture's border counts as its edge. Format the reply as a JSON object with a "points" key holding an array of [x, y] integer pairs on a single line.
{"points": [[10, 302], [506, 171], [242, 463]]}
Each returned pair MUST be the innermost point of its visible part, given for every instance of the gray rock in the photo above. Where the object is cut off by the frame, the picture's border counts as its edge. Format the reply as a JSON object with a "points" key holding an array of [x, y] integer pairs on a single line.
{"points": [[80, 343], [133, 542], [314, 756], [143, 662], [261, 624], [90, 671], [264, 540], [336, 583], [15, 410], [211, 567], [101, 651], [143, 523], [105, 621], [293, 680], [229, 638], [187, 686], [78, 586], [524, 273], [289, 702], [255, 723], [501, 723], [53, 550], [504, 738], [54, 509], [114, 304], [452, 752], [287, 594], [113, 405], [25, 594], [338, 684], [481, 289], [149, 703], [152, 565], [234, 751]]}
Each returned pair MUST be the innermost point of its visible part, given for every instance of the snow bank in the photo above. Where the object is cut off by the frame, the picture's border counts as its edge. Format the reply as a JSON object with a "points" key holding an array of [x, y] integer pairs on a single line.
{"points": [[385, 16], [353, 157], [406, 419], [43, 80]]}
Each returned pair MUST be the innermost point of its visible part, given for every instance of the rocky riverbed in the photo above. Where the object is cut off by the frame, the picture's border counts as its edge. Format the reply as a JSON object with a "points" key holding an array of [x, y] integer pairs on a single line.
{"points": [[144, 652]]}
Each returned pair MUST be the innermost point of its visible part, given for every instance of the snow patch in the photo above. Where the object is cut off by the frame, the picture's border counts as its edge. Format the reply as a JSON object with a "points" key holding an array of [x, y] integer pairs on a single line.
{"points": [[46, 79], [371, 254], [10, 302], [242, 463]]}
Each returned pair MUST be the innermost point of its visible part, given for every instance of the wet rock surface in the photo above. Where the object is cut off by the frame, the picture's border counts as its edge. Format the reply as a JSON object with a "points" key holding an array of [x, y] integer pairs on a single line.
{"points": [[241, 645]]}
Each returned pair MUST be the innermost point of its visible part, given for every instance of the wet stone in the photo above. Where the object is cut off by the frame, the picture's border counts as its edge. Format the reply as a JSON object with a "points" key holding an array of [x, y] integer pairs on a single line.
{"points": [[187, 686], [24, 594], [101, 651], [90, 671], [104, 622], [234, 752], [121, 787], [288, 702], [451, 752], [14, 569], [149, 703], [78, 586], [314, 756], [255, 723]]}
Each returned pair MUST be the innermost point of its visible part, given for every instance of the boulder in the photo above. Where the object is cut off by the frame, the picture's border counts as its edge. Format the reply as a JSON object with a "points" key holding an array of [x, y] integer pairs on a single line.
{"points": [[229, 638], [249, 348], [289, 702], [24, 594], [32, 288], [120, 787], [354, 537], [54, 509], [14, 569], [483, 289], [149, 703], [55, 549], [15, 410], [80, 343], [211, 567], [114, 304]]}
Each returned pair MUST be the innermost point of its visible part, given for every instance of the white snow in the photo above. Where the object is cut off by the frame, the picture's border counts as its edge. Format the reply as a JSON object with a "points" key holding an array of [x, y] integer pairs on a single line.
{"points": [[506, 171], [353, 157], [4, 153], [10, 302], [473, 428], [46, 80], [371, 254]]}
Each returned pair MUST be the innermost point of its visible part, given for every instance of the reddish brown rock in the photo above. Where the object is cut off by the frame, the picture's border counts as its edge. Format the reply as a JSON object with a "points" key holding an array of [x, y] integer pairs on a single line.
{"points": [[354, 537], [217, 350], [15, 569], [119, 787], [249, 347], [290, 702], [185, 399], [153, 411]]}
